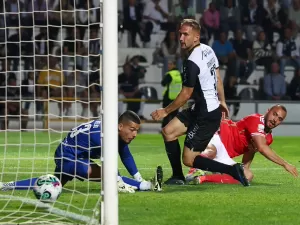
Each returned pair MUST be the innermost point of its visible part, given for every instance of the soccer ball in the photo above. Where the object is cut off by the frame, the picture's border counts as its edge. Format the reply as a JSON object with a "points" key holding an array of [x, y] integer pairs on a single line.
{"points": [[47, 188]]}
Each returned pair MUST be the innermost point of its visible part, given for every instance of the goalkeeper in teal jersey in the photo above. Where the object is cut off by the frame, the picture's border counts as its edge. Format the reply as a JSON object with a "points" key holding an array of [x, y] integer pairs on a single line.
{"points": [[73, 157]]}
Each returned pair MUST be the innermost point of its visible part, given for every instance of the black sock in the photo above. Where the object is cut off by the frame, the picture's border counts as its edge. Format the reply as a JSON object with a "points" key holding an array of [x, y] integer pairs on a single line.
{"points": [[174, 155], [204, 163]]}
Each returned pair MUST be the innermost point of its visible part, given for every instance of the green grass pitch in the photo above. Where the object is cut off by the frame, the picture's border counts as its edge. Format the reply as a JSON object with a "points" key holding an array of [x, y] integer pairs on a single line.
{"points": [[273, 198]]}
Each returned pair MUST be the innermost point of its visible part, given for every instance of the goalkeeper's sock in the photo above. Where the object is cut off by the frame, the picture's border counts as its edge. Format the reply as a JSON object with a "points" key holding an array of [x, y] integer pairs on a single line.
{"points": [[25, 184], [218, 178], [174, 155], [207, 164], [131, 182], [142, 186]]}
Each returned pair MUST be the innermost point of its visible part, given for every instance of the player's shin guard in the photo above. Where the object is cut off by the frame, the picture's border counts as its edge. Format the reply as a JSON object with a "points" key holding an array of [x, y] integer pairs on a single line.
{"points": [[174, 155]]}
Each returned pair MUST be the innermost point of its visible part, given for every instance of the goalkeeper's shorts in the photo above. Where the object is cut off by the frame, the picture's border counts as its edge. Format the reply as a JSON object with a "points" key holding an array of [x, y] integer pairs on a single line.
{"points": [[68, 168]]}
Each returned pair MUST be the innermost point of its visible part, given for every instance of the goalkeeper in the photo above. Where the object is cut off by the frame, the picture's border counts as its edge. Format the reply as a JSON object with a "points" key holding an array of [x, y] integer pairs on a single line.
{"points": [[83, 143]]}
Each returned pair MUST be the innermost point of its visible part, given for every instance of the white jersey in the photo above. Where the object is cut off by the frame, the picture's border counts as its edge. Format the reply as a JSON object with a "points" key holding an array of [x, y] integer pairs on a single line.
{"points": [[199, 72]]}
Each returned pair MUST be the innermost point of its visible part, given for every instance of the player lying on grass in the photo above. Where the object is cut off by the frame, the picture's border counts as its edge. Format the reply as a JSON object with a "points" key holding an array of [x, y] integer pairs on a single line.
{"points": [[73, 157], [245, 137]]}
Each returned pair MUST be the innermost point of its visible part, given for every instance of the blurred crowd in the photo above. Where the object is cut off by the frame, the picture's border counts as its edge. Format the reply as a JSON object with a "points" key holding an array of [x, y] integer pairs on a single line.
{"points": [[53, 49], [243, 33]]}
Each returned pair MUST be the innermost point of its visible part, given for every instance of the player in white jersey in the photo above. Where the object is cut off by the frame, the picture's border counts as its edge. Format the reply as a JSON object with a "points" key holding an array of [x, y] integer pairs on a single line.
{"points": [[201, 78]]}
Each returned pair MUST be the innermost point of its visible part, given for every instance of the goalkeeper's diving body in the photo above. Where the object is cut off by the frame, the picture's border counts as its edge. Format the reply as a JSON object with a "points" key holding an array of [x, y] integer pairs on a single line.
{"points": [[73, 157]]}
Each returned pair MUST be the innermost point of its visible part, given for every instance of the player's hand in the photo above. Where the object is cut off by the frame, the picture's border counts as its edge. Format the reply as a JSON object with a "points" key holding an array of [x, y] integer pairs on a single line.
{"points": [[224, 109], [125, 188], [159, 114], [291, 169]]}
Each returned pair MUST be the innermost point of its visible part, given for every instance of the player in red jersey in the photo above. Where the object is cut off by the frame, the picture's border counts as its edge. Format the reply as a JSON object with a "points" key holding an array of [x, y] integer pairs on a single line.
{"points": [[251, 134]]}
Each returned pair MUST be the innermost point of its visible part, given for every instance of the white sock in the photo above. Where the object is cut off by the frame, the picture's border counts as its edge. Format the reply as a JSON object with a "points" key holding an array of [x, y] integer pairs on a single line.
{"points": [[145, 186], [138, 177]]}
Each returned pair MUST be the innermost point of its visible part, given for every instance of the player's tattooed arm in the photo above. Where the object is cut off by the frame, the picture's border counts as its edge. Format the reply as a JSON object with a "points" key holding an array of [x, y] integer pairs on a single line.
{"points": [[266, 151]]}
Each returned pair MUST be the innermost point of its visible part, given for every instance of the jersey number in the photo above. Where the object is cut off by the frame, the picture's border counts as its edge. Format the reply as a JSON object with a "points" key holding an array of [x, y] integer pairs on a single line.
{"points": [[81, 128], [213, 73]]}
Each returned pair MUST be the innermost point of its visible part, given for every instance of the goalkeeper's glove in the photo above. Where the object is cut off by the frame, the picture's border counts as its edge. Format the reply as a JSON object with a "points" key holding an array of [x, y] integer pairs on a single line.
{"points": [[125, 188]]}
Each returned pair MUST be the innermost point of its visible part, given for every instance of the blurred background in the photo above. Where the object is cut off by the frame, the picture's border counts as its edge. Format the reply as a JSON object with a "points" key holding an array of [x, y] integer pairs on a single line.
{"points": [[51, 52]]}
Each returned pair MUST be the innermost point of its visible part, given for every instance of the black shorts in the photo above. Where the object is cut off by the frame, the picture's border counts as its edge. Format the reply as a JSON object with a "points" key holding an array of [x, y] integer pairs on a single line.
{"points": [[200, 127]]}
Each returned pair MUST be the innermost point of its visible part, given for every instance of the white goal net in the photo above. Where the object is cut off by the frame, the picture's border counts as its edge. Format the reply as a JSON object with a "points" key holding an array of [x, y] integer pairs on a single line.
{"points": [[50, 81]]}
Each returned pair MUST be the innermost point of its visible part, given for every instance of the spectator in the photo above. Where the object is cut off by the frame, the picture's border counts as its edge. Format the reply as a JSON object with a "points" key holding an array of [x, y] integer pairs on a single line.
{"points": [[230, 91], [67, 12], [41, 48], [275, 21], [294, 14], [211, 19], [69, 51], [13, 105], [170, 48], [28, 92], [132, 21], [288, 51], [39, 12], [138, 70], [274, 84], [54, 19], [182, 11], [262, 50], [85, 14], [204, 33], [94, 45], [172, 82], [225, 53], [77, 88], [52, 79], [244, 56], [95, 92], [253, 19], [294, 87], [155, 18], [13, 9], [230, 18], [129, 88]]}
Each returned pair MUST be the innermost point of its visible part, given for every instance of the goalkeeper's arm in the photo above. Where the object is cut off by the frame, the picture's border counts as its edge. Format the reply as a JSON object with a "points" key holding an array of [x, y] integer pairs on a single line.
{"points": [[129, 163]]}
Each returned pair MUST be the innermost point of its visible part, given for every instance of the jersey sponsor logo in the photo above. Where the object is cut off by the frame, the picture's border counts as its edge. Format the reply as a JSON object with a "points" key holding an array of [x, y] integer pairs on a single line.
{"points": [[206, 52], [211, 62], [260, 128], [192, 133]]}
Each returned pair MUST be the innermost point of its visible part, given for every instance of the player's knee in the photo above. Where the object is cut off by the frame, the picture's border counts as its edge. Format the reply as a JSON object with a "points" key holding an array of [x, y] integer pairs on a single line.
{"points": [[209, 153], [167, 133], [188, 161]]}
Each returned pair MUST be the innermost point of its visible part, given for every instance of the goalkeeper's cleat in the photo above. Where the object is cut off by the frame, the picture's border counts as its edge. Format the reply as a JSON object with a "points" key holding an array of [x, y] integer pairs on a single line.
{"points": [[157, 180], [193, 172], [7, 186]]}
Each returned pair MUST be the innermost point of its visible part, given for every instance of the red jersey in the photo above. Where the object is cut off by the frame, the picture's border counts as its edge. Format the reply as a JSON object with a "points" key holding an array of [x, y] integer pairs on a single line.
{"points": [[236, 136]]}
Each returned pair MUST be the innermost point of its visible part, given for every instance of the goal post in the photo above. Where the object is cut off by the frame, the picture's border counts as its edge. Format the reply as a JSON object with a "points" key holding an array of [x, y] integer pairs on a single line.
{"points": [[43, 40], [110, 112]]}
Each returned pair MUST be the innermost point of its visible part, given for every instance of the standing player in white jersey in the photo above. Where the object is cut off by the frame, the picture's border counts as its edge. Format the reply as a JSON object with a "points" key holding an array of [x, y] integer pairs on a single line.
{"points": [[201, 78]]}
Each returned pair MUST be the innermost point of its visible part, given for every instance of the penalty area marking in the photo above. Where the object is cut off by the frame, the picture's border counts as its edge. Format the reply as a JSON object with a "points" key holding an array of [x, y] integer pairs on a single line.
{"points": [[52, 209]]}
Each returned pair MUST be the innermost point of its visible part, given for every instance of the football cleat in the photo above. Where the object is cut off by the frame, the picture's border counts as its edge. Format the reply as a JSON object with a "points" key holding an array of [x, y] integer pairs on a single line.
{"points": [[7, 186], [239, 169], [193, 172], [157, 180], [175, 181]]}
